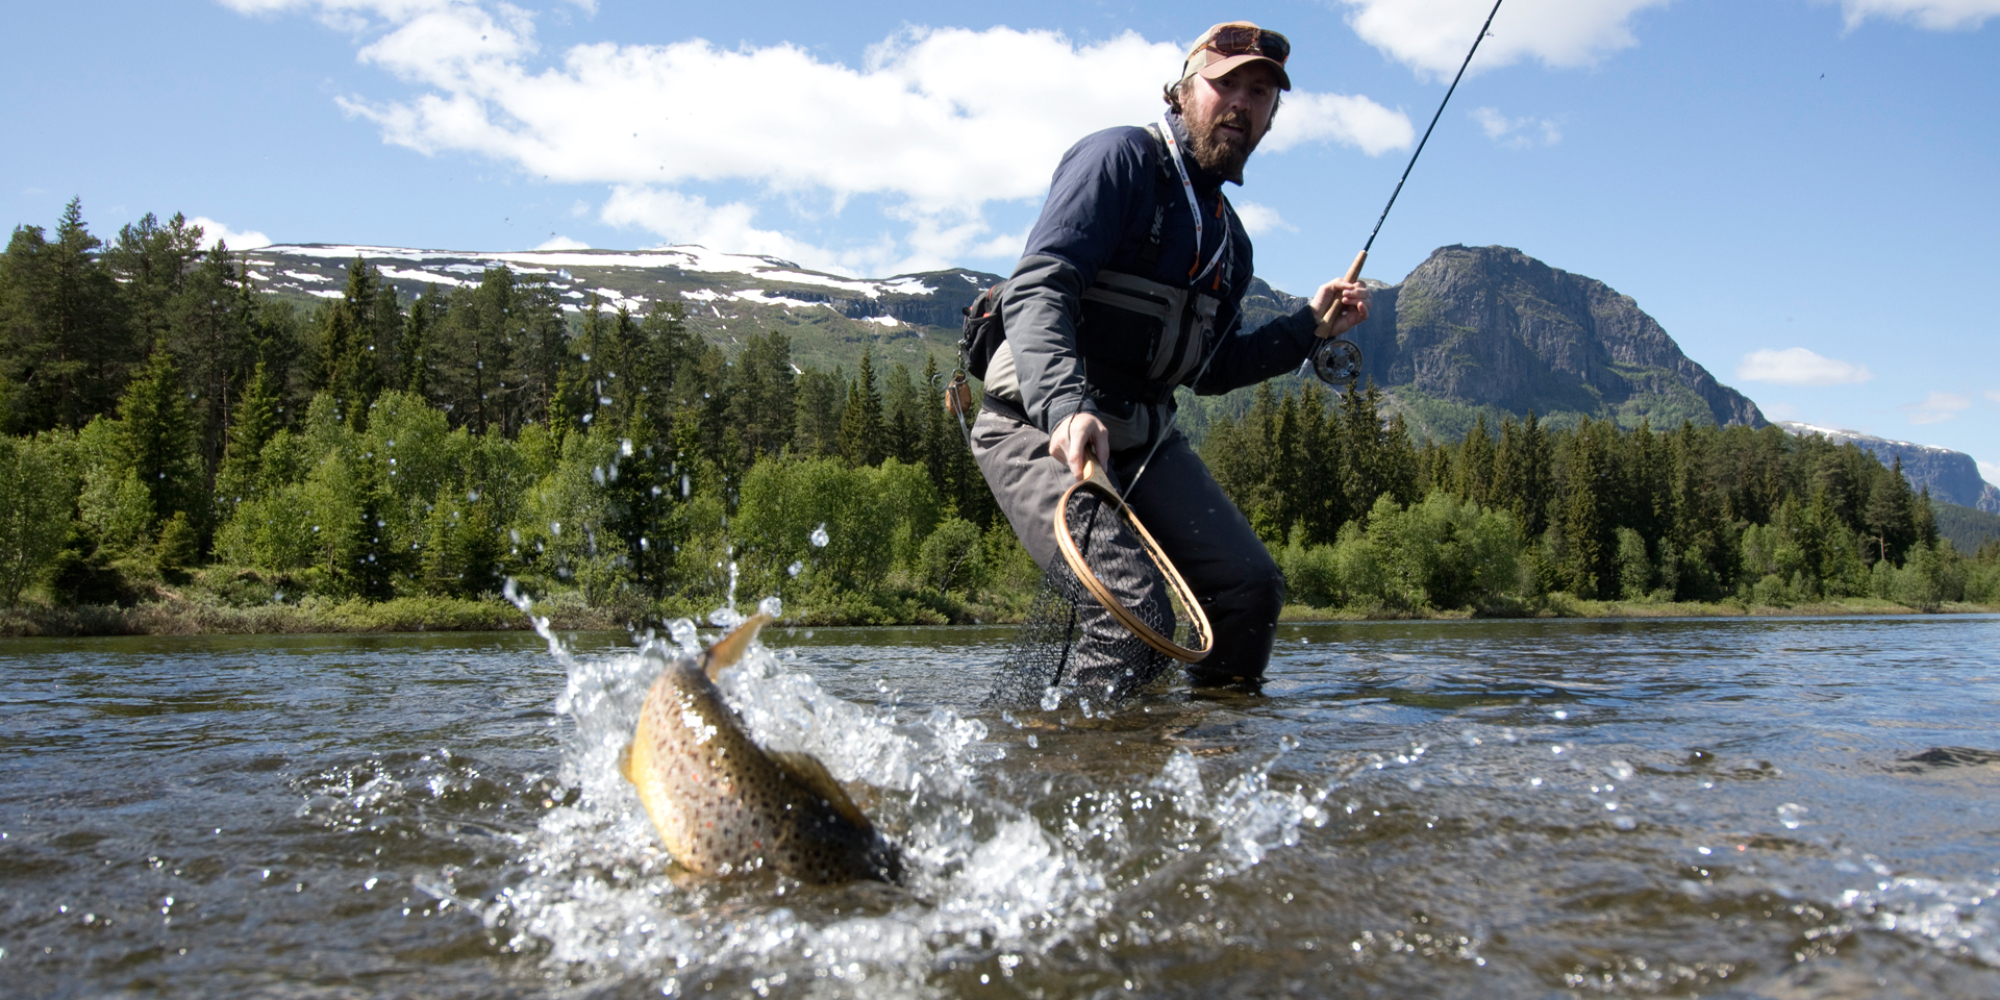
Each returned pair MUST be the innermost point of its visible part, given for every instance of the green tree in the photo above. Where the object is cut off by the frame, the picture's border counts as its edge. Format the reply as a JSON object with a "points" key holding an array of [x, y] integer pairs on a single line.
{"points": [[902, 427], [822, 398], [861, 439], [37, 494], [761, 396], [158, 441], [67, 349]]}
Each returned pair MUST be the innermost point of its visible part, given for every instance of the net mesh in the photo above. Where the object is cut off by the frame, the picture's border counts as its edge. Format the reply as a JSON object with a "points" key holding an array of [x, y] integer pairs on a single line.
{"points": [[1070, 650]]}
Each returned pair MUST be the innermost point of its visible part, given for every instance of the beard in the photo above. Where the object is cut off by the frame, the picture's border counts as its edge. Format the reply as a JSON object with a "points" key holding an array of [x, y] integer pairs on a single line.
{"points": [[1218, 152]]}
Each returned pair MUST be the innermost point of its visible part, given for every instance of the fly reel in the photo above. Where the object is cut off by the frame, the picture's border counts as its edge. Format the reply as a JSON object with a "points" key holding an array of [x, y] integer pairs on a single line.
{"points": [[1337, 362]]}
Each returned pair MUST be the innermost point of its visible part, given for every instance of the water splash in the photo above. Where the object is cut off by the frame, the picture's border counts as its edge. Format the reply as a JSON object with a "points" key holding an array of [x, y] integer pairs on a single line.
{"points": [[1957, 917], [988, 881]]}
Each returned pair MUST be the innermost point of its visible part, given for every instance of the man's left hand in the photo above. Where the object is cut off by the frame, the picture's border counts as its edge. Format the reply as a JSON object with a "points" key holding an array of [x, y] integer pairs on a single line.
{"points": [[1351, 294]]}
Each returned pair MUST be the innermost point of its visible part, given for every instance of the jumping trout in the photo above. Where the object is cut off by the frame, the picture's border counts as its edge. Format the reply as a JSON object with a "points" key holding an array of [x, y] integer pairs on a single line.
{"points": [[724, 804]]}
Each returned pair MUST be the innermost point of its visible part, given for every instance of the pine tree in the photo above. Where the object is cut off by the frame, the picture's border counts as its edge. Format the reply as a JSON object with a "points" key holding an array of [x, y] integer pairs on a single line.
{"points": [[1580, 524], [1324, 507], [413, 350], [938, 431], [902, 429], [152, 263], [157, 440], [1472, 466], [212, 334], [822, 398], [68, 351], [761, 396], [861, 438], [1887, 516], [252, 426]]}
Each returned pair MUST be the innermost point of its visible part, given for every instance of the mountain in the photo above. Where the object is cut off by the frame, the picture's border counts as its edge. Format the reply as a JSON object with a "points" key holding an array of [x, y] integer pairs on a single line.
{"points": [[1471, 330], [1491, 329], [1953, 476], [726, 296]]}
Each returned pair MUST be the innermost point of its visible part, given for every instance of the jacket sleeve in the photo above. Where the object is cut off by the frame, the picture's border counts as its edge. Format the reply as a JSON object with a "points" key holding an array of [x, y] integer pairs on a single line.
{"points": [[1247, 357], [1096, 191]]}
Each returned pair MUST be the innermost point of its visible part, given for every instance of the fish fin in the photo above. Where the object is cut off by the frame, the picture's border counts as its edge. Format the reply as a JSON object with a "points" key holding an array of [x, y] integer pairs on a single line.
{"points": [[625, 763], [730, 648], [813, 775]]}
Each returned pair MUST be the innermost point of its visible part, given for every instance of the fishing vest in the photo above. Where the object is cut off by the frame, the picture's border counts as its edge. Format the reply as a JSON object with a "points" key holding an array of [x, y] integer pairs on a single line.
{"points": [[1139, 339]]}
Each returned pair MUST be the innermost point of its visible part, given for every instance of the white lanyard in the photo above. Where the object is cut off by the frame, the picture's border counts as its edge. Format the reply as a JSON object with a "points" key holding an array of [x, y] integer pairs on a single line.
{"points": [[1194, 209]]}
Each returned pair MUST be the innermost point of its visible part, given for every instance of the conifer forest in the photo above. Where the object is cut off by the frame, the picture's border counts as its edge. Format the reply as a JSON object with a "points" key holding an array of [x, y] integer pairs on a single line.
{"points": [[170, 435]]}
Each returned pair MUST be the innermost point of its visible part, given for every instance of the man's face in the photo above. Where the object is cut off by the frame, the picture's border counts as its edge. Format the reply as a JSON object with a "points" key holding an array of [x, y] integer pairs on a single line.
{"points": [[1227, 117]]}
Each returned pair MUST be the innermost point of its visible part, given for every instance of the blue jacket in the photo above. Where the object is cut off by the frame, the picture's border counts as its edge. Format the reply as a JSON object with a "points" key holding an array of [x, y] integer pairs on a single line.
{"points": [[1099, 215]]}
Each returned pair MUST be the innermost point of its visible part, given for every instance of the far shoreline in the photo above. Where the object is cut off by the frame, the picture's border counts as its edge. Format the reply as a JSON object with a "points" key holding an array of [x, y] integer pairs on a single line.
{"points": [[431, 615]]}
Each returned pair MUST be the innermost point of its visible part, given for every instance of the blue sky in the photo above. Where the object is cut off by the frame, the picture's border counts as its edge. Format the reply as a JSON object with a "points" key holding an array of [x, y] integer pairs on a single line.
{"points": [[1801, 191]]}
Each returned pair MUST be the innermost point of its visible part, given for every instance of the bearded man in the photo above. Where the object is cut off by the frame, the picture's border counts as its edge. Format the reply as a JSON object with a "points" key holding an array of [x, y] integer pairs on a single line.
{"points": [[1130, 286]]}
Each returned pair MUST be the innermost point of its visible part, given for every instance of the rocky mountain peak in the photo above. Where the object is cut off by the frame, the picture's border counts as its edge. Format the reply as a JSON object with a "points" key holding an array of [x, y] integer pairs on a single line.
{"points": [[1491, 328]]}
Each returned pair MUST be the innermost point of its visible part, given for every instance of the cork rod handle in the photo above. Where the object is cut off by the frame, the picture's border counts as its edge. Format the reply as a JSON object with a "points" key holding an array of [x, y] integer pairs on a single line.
{"points": [[1353, 274]]}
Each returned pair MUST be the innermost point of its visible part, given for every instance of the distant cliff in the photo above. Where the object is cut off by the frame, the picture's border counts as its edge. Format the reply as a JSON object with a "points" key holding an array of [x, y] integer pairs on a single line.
{"points": [[1491, 329], [1953, 476]]}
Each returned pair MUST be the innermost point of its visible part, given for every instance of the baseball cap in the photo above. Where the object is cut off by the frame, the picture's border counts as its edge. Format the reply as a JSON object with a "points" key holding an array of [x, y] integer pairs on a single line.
{"points": [[1226, 46]]}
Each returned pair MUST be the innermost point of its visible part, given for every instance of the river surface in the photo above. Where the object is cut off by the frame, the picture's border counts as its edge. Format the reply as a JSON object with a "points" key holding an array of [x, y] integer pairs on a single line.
{"points": [[1742, 808]]}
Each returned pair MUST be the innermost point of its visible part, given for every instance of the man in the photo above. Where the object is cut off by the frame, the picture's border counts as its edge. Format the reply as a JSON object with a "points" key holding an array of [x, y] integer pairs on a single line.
{"points": [[1129, 286]]}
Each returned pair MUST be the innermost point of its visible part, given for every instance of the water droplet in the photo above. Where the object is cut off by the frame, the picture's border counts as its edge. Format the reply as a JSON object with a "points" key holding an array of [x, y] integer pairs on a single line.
{"points": [[819, 536], [1620, 770], [683, 633], [772, 606], [1791, 814], [795, 568]]}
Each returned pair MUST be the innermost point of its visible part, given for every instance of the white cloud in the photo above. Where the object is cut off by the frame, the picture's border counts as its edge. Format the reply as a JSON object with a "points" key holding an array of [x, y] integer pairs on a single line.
{"points": [[1350, 121], [1432, 36], [1938, 407], [685, 219], [211, 231], [1260, 219], [936, 123], [1515, 133], [1993, 395], [1937, 15], [1798, 366], [555, 242], [1989, 471]]}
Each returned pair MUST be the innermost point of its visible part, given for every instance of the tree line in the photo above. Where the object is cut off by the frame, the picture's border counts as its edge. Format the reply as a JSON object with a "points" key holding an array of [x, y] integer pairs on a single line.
{"points": [[165, 425], [1360, 514], [163, 417]]}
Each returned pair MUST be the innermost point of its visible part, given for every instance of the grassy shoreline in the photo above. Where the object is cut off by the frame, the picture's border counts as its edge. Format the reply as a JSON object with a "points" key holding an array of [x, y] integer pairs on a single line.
{"points": [[175, 616]]}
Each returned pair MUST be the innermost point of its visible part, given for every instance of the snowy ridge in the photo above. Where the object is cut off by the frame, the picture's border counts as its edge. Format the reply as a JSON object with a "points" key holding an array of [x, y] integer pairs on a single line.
{"points": [[1843, 435], [455, 267], [1952, 476]]}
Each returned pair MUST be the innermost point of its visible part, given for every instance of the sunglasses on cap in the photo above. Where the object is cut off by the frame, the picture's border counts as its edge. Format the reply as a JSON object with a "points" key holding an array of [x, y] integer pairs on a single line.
{"points": [[1250, 40]]}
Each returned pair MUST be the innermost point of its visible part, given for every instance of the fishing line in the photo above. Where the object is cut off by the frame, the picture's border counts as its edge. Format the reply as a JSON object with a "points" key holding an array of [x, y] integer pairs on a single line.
{"points": [[1347, 368]]}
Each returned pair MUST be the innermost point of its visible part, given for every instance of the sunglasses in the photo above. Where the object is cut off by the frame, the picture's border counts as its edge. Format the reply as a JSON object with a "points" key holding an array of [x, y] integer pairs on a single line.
{"points": [[1244, 40]]}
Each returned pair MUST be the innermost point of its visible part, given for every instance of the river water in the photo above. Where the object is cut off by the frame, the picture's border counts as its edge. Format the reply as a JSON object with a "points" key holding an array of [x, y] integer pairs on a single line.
{"points": [[1748, 808]]}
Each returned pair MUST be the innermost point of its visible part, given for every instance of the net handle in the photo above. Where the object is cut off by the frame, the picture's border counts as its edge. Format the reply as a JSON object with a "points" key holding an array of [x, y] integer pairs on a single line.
{"points": [[1095, 479]]}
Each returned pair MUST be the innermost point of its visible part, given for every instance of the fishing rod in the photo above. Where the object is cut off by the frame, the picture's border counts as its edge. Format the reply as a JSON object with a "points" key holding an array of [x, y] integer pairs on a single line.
{"points": [[1346, 368]]}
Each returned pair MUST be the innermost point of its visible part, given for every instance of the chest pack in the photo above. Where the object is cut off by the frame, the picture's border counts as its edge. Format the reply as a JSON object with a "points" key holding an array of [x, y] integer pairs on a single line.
{"points": [[984, 329]]}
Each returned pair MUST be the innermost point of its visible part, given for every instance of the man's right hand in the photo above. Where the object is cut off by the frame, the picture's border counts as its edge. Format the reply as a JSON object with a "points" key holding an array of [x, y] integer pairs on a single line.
{"points": [[1080, 437]]}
